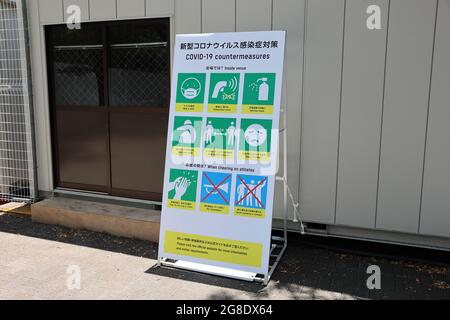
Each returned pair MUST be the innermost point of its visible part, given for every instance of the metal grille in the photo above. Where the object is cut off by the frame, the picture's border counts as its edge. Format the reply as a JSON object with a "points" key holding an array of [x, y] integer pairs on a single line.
{"points": [[17, 181], [138, 76], [78, 75]]}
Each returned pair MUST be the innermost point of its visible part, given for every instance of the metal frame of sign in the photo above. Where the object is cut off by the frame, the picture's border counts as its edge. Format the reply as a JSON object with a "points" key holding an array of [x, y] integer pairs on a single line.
{"points": [[278, 244]]}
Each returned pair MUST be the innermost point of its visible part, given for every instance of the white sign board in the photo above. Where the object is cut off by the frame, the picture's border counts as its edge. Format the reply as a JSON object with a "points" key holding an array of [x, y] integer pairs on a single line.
{"points": [[222, 149]]}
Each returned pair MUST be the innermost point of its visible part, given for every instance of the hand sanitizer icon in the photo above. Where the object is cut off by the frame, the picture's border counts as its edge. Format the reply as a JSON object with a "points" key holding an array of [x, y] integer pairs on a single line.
{"points": [[263, 92]]}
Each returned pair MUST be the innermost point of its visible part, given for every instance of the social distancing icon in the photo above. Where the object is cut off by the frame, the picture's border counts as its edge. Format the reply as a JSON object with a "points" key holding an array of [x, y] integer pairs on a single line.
{"points": [[250, 196], [220, 138]]}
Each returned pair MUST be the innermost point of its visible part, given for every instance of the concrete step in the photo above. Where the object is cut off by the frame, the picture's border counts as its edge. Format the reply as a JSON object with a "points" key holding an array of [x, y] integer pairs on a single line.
{"points": [[118, 220]]}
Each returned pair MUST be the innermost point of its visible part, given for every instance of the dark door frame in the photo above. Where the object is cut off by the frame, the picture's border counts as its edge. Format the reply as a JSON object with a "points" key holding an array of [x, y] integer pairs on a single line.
{"points": [[102, 108]]}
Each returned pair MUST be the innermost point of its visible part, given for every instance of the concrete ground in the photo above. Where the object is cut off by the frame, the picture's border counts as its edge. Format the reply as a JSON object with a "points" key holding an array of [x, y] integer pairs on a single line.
{"points": [[36, 262]]}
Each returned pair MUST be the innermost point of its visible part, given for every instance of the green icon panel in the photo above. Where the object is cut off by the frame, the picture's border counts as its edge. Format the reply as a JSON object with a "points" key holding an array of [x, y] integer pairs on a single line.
{"points": [[220, 138], [182, 189], [190, 92], [186, 136], [259, 92], [223, 92], [255, 140]]}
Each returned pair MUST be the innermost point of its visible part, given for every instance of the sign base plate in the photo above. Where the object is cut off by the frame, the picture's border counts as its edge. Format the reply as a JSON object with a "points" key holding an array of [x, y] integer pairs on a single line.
{"points": [[213, 270]]}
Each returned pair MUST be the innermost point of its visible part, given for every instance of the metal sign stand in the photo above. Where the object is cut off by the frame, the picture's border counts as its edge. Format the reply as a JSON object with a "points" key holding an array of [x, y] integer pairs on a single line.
{"points": [[278, 244]]}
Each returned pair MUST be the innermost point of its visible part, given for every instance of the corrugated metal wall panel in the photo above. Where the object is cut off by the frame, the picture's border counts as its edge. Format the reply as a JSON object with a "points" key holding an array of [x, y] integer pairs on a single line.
{"points": [[51, 11], [321, 104], [102, 9], [408, 68], [218, 16], [253, 15], [130, 8], [435, 214], [158, 8], [334, 167], [289, 15], [188, 17], [361, 109]]}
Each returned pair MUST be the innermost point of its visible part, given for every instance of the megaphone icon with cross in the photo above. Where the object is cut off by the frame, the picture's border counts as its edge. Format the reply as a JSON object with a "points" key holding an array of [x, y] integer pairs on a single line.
{"points": [[209, 188]]}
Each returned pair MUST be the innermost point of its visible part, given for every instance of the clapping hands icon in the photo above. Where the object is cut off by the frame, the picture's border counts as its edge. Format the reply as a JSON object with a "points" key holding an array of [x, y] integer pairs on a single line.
{"points": [[180, 185]]}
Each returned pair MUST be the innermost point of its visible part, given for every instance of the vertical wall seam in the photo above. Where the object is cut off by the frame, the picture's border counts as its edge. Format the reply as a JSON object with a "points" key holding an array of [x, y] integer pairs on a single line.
{"points": [[302, 102], [38, 9], [271, 15], [235, 15], [201, 16], [297, 182], [428, 115], [173, 32], [382, 112], [340, 111]]}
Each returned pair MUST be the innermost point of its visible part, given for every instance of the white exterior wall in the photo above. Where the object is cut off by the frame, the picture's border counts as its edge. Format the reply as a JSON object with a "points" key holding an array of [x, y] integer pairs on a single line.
{"points": [[368, 109]]}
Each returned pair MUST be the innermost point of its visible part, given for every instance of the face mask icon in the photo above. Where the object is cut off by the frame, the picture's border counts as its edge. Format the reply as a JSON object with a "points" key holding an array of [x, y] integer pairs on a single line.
{"points": [[191, 88]]}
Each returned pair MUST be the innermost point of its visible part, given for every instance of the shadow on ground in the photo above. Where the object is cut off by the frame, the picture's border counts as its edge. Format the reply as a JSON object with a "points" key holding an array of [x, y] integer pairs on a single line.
{"points": [[307, 271], [252, 288], [23, 225]]}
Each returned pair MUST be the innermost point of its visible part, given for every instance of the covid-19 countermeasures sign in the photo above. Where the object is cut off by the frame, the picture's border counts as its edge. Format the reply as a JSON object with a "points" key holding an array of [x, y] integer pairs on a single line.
{"points": [[222, 149]]}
